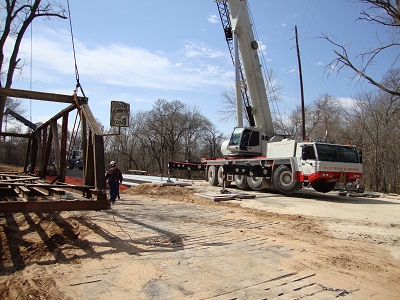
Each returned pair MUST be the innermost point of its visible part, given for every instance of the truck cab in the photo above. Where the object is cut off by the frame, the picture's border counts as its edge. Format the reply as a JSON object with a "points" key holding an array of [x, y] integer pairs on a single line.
{"points": [[323, 165]]}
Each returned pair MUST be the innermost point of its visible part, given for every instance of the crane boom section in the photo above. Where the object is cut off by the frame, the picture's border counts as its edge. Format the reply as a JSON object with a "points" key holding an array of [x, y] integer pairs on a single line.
{"points": [[242, 27]]}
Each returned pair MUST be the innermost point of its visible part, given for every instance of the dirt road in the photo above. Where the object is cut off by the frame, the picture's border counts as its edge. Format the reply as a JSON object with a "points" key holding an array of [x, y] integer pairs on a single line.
{"points": [[165, 243]]}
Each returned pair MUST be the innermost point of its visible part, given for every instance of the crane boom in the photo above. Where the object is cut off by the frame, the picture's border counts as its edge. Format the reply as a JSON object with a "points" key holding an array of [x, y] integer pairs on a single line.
{"points": [[248, 48], [224, 14], [250, 140]]}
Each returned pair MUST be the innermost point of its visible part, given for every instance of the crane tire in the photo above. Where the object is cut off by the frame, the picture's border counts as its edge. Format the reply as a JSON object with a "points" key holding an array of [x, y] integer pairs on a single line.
{"points": [[255, 183], [324, 187], [212, 175], [220, 177], [283, 180], [241, 182]]}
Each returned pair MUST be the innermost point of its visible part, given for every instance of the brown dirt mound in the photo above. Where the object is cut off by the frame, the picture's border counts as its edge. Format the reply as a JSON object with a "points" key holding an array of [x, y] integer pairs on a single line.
{"points": [[177, 193]]}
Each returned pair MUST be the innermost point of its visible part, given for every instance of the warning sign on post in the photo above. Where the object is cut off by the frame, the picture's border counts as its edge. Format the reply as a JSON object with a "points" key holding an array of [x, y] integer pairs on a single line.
{"points": [[119, 114]]}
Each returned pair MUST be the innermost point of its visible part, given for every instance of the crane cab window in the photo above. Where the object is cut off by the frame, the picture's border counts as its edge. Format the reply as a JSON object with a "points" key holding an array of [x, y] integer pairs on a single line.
{"points": [[308, 152], [254, 139], [244, 141], [235, 137]]}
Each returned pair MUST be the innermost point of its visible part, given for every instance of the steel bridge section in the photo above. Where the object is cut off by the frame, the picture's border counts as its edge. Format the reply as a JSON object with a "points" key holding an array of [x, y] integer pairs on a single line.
{"points": [[30, 185]]}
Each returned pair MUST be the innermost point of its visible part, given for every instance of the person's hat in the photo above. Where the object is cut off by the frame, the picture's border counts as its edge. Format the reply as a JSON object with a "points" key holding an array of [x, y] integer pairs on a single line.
{"points": [[112, 163]]}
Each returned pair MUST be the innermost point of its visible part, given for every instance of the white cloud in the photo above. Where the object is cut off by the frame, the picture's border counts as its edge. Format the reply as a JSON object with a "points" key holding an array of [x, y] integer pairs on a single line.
{"points": [[199, 49], [213, 18], [121, 65], [320, 63]]}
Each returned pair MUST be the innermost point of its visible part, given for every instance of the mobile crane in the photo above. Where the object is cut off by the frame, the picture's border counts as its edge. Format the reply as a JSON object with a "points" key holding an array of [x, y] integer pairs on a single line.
{"points": [[255, 157]]}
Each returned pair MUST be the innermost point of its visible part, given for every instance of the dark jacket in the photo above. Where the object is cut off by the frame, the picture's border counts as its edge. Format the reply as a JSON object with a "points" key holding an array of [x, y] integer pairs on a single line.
{"points": [[114, 174]]}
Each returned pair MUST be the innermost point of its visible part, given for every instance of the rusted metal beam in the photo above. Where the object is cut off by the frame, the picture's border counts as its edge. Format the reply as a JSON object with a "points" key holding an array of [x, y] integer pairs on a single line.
{"points": [[56, 143], [44, 206], [89, 165], [42, 142], [7, 92], [33, 153], [21, 135], [47, 148], [63, 150], [28, 151], [20, 178]]}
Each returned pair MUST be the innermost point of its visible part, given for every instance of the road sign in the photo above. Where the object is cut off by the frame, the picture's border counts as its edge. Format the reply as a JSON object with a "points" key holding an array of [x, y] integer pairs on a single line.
{"points": [[119, 114]]}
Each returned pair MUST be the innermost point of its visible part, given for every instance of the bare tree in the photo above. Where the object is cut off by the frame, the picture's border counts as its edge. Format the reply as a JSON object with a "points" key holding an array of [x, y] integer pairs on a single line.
{"points": [[388, 15], [17, 17], [376, 127], [229, 99], [326, 119], [210, 141]]}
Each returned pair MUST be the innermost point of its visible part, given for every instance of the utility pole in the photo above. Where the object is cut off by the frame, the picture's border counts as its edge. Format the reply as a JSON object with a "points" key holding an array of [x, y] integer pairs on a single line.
{"points": [[303, 119]]}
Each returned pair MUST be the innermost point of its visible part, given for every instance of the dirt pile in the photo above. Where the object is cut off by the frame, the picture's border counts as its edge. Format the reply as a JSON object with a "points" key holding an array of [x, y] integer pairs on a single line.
{"points": [[176, 193]]}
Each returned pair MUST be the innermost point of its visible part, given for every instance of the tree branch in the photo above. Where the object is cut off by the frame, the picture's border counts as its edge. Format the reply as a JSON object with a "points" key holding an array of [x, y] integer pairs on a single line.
{"points": [[343, 59]]}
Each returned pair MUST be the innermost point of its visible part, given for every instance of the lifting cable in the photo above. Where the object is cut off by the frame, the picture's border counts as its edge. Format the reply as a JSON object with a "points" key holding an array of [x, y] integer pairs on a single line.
{"points": [[78, 84]]}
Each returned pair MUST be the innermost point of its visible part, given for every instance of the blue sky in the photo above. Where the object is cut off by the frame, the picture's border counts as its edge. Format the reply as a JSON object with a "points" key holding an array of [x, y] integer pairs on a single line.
{"points": [[140, 51]]}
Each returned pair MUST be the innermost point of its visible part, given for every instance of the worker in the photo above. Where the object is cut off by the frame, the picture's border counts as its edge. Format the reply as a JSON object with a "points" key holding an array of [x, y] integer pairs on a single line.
{"points": [[114, 177]]}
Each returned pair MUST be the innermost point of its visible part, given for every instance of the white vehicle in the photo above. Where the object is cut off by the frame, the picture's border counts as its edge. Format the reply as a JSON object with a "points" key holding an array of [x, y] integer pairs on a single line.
{"points": [[255, 157]]}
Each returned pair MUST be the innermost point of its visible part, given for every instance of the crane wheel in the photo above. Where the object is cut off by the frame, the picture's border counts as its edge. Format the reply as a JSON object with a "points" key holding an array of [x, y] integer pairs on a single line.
{"points": [[212, 175], [256, 183], [241, 182], [283, 180]]}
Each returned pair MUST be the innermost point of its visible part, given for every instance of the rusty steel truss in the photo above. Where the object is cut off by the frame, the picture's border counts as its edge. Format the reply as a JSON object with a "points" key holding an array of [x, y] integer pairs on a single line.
{"points": [[45, 140]]}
